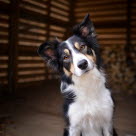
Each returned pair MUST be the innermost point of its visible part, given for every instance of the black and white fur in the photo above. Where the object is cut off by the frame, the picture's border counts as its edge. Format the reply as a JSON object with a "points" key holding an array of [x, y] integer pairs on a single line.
{"points": [[88, 106]]}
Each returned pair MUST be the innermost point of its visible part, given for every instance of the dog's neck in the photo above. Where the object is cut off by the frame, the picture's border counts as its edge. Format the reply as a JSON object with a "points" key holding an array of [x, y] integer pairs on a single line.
{"points": [[91, 83]]}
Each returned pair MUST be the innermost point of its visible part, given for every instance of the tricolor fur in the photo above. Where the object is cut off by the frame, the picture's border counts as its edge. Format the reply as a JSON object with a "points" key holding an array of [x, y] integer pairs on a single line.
{"points": [[88, 106]]}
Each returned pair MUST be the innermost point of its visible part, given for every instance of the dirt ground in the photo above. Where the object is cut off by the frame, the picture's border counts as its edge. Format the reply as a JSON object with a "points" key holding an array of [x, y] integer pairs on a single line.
{"points": [[38, 112]]}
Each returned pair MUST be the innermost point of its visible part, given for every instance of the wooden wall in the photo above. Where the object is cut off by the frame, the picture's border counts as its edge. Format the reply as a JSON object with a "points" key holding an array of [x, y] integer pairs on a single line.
{"points": [[115, 23], [25, 24]]}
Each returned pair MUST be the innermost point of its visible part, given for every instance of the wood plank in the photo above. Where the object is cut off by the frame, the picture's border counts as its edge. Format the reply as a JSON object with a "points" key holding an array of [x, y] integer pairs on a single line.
{"points": [[117, 12], [59, 12], [59, 17], [111, 31], [56, 31], [110, 24], [28, 36], [100, 8], [66, 3], [28, 3], [30, 76], [102, 2], [28, 51], [32, 8], [55, 3], [41, 2], [30, 32], [32, 22], [29, 61], [60, 8], [32, 68], [30, 26], [31, 72], [30, 40]]}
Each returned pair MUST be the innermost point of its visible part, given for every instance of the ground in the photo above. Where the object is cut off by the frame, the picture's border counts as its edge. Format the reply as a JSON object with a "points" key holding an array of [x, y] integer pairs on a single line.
{"points": [[38, 112]]}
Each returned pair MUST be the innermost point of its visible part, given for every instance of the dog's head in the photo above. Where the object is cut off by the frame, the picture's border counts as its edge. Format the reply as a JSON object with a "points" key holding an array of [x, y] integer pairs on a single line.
{"points": [[77, 55]]}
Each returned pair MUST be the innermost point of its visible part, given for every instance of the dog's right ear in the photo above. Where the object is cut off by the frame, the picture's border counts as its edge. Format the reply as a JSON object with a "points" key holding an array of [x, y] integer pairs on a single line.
{"points": [[85, 28], [48, 51]]}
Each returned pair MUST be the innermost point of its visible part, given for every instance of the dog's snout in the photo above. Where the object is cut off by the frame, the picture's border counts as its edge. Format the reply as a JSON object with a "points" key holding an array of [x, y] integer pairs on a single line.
{"points": [[83, 64]]}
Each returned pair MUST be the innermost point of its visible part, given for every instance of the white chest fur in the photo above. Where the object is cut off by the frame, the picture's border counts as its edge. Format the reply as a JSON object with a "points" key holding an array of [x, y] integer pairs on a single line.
{"points": [[92, 110]]}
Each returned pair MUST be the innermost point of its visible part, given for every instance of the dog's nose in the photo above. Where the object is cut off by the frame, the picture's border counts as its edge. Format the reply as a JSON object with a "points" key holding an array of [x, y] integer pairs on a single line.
{"points": [[83, 64]]}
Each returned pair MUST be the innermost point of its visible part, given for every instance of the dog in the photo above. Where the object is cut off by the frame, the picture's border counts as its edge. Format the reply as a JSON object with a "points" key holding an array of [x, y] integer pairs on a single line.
{"points": [[88, 106]]}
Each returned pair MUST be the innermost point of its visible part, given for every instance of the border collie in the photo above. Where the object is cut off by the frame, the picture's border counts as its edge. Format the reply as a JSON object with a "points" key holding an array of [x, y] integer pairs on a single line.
{"points": [[88, 106]]}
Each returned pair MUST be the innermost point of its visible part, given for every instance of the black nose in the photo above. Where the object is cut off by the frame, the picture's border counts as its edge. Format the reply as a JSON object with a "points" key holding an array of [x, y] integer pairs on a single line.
{"points": [[83, 64]]}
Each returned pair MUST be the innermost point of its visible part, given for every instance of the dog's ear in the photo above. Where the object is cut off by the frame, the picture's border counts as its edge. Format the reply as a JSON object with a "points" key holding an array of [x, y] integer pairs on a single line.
{"points": [[85, 28], [48, 51]]}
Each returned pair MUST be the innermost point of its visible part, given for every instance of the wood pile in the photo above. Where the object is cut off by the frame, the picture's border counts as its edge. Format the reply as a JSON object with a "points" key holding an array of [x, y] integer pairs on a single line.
{"points": [[119, 74]]}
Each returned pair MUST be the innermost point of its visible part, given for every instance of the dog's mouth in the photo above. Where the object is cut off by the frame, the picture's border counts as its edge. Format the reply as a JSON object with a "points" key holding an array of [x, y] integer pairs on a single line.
{"points": [[88, 69], [85, 72]]}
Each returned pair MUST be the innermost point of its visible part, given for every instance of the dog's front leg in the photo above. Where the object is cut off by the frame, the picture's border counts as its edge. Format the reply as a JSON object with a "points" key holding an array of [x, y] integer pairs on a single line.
{"points": [[75, 119], [74, 131], [74, 127], [108, 130]]}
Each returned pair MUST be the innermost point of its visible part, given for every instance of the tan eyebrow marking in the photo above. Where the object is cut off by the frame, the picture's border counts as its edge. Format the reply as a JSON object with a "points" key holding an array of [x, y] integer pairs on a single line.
{"points": [[77, 45], [67, 51]]}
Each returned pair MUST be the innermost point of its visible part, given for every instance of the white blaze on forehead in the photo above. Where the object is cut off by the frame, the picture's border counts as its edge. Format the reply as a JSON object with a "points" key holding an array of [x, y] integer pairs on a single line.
{"points": [[77, 56]]}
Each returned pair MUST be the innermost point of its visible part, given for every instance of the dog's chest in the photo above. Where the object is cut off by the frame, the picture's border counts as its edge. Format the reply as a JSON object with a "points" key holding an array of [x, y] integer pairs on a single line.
{"points": [[86, 109], [91, 109], [93, 104]]}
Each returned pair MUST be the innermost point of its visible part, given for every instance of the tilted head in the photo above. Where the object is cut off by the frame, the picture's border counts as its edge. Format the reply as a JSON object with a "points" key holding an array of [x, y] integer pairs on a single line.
{"points": [[77, 55]]}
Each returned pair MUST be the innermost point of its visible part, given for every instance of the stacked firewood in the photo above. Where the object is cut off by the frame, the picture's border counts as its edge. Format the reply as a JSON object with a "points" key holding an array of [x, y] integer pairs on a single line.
{"points": [[121, 77]]}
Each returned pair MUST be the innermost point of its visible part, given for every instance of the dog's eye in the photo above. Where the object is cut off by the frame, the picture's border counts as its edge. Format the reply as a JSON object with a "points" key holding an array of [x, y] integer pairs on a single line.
{"points": [[66, 57], [82, 47]]}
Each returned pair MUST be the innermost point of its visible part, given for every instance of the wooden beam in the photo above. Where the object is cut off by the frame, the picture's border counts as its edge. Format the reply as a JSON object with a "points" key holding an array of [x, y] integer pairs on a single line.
{"points": [[13, 45], [128, 33], [72, 20]]}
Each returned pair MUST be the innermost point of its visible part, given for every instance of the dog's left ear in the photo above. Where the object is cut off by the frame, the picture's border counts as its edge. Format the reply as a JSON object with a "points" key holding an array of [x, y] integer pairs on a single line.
{"points": [[85, 28], [48, 51]]}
